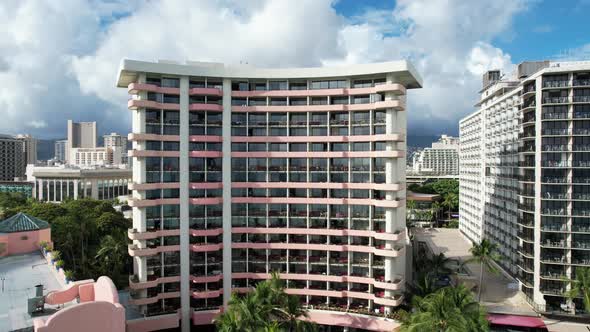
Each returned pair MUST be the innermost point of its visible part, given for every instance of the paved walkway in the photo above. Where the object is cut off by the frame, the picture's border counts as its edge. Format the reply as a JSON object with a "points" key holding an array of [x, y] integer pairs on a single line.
{"points": [[500, 293]]}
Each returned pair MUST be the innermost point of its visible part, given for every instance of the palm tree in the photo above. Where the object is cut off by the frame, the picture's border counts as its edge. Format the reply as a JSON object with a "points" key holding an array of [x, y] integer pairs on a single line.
{"points": [[266, 308], [423, 285], [450, 309], [111, 255], [580, 287], [438, 264], [484, 253], [435, 208]]}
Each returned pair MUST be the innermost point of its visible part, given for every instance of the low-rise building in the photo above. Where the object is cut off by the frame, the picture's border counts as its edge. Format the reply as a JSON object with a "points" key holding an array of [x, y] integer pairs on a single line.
{"points": [[55, 184]]}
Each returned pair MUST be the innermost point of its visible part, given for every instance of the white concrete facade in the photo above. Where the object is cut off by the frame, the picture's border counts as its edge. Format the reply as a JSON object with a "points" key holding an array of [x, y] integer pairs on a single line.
{"points": [[536, 206], [442, 158], [189, 142], [56, 184]]}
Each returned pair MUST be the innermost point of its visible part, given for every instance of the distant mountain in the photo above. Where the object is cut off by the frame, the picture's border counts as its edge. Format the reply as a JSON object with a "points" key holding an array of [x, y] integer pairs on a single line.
{"points": [[46, 149], [421, 141]]}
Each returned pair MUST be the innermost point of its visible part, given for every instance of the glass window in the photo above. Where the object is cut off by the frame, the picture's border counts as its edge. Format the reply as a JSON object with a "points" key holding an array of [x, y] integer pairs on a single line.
{"points": [[168, 82], [277, 85]]}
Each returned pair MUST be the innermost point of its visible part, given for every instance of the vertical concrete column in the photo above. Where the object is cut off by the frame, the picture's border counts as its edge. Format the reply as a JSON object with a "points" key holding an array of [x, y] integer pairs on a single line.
{"points": [[184, 208], [226, 166], [537, 295], [40, 190], [94, 188], [76, 189]]}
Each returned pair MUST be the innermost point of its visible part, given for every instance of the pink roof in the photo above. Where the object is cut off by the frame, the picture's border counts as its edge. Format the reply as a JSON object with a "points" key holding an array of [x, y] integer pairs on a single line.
{"points": [[514, 320]]}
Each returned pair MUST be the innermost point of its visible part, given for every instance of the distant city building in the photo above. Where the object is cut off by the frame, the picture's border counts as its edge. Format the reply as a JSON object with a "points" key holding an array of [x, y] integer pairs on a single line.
{"points": [[61, 148], [55, 184], [100, 156], [525, 169], [12, 158], [117, 143], [80, 135], [30, 148], [442, 158]]}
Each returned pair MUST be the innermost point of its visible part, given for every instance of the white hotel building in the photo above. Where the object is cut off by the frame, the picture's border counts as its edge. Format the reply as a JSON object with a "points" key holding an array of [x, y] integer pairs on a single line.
{"points": [[525, 170], [241, 171]]}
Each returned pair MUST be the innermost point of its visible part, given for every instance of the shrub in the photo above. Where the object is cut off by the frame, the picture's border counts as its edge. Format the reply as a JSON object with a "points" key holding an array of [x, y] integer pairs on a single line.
{"points": [[69, 275], [56, 255], [44, 245], [59, 264]]}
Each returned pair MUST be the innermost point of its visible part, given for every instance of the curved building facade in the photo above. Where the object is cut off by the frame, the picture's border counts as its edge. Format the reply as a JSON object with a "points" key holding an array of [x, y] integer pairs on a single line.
{"points": [[242, 171]]}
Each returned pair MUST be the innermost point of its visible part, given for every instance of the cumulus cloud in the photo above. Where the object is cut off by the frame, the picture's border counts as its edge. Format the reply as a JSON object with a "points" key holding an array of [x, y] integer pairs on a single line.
{"points": [[60, 60]]}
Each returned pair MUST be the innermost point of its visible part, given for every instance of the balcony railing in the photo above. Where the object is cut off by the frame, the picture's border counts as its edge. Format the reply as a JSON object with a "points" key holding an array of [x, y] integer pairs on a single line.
{"points": [[555, 100], [555, 84], [581, 99]]}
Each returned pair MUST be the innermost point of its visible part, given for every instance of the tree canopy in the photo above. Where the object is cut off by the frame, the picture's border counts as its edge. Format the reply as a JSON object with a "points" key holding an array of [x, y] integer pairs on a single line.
{"points": [[90, 234], [450, 309], [266, 308]]}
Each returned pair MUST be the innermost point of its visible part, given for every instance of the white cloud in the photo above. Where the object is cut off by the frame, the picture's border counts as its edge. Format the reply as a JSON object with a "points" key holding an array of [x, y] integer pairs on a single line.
{"points": [[60, 60], [37, 124]]}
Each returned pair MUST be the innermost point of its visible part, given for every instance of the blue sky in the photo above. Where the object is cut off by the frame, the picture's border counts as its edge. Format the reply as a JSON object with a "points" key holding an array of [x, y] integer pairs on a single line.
{"points": [[59, 59]]}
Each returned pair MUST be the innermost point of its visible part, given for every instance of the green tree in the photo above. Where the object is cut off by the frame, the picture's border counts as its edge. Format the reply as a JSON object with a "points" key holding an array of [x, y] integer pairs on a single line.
{"points": [[266, 308], [484, 253], [112, 255], [438, 264], [79, 230], [109, 222], [450, 309], [580, 287]]}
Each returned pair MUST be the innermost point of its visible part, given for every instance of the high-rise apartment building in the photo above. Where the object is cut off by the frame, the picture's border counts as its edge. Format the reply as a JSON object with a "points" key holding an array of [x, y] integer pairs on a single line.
{"points": [[118, 144], [531, 154], [240, 171], [30, 148], [442, 158], [12, 158], [61, 148]]}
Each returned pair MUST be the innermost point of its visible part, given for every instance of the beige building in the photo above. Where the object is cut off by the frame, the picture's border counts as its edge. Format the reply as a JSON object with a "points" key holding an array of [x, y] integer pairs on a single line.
{"points": [[80, 135]]}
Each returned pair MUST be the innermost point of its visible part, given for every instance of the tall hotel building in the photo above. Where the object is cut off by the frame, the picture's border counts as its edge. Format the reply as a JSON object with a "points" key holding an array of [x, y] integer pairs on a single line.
{"points": [[241, 171], [539, 207]]}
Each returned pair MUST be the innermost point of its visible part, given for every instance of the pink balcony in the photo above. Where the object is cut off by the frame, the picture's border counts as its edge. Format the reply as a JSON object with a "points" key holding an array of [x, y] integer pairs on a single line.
{"points": [[136, 251], [134, 137], [98, 309], [139, 300], [135, 88], [205, 92], [134, 104], [207, 294], [304, 139], [205, 107], [135, 235], [203, 247], [135, 284], [206, 279]]}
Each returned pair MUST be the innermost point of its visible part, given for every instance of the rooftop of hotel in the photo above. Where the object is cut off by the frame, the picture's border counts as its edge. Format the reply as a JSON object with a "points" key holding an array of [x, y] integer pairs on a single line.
{"points": [[19, 274], [128, 69]]}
